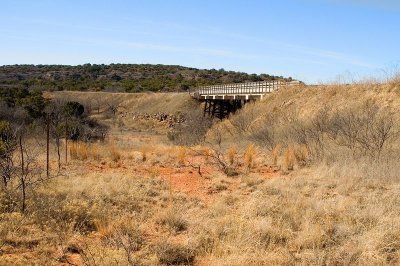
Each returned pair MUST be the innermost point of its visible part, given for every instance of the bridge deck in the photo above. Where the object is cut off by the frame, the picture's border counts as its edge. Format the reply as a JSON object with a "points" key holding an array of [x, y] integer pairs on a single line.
{"points": [[236, 91]]}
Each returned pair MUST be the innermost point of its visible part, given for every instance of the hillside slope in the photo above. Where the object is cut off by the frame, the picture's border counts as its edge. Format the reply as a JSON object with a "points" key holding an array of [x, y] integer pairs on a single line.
{"points": [[150, 103], [307, 101], [323, 120]]}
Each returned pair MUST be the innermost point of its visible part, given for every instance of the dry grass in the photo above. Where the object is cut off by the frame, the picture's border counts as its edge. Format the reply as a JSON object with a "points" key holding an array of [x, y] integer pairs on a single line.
{"points": [[181, 155], [173, 219], [150, 103], [276, 152], [79, 151], [303, 220], [144, 150], [331, 214], [170, 253], [249, 156], [94, 152], [115, 154], [232, 155], [206, 152], [289, 158], [340, 210], [301, 155]]}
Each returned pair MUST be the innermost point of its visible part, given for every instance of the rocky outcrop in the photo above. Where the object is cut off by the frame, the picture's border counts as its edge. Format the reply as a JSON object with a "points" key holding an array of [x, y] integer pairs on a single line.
{"points": [[168, 119]]}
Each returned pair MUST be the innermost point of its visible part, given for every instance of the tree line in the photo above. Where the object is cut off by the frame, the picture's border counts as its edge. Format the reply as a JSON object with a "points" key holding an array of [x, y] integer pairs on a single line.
{"points": [[120, 77]]}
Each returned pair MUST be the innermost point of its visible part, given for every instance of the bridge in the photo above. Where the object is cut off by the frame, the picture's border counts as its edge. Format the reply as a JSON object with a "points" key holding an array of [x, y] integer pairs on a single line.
{"points": [[221, 100]]}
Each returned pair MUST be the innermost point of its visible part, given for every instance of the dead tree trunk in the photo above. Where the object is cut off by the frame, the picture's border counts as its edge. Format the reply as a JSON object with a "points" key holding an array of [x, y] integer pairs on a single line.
{"points": [[66, 140], [48, 147], [23, 185], [58, 152]]}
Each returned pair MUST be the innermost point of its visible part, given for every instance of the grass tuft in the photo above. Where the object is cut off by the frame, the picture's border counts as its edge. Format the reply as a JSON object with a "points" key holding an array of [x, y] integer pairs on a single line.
{"points": [[250, 156]]}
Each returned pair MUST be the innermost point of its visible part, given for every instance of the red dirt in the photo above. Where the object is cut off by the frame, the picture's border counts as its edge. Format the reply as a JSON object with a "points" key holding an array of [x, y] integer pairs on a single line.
{"points": [[187, 180], [181, 178]]}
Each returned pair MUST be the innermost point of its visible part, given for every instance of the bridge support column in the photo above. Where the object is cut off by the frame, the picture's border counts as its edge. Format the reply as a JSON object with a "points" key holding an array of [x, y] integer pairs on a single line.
{"points": [[207, 107], [214, 107], [221, 108]]}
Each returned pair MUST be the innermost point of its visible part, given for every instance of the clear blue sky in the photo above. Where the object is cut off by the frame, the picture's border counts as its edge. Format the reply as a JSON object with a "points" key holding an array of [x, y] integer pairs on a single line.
{"points": [[311, 40]]}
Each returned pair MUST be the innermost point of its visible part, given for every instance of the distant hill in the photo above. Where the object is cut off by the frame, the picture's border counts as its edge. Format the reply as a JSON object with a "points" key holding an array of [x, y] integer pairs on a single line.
{"points": [[119, 77]]}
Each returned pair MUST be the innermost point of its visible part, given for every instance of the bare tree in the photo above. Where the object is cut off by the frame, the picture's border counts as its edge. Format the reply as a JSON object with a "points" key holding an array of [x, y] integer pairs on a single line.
{"points": [[113, 106], [217, 154], [97, 103], [8, 144], [18, 164], [66, 138], [192, 131], [56, 116], [245, 119], [363, 129], [265, 136]]}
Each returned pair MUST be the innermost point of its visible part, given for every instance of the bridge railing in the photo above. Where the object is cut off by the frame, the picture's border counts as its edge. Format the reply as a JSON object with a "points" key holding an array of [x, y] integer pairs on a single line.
{"points": [[248, 88]]}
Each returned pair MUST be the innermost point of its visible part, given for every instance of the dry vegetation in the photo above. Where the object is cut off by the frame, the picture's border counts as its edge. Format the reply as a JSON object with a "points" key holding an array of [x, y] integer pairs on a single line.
{"points": [[307, 176], [173, 103]]}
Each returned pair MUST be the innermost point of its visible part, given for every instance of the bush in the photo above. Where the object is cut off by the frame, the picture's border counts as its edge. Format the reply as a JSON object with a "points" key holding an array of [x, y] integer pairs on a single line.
{"points": [[174, 254], [74, 109], [192, 131], [365, 130], [173, 219], [57, 210]]}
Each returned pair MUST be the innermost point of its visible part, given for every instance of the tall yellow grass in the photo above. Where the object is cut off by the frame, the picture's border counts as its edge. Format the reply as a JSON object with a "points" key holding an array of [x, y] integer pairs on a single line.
{"points": [[250, 156], [182, 152], [84, 151], [301, 154], [276, 152], [115, 154], [144, 150], [289, 158], [206, 152], [94, 152], [79, 151], [232, 154]]}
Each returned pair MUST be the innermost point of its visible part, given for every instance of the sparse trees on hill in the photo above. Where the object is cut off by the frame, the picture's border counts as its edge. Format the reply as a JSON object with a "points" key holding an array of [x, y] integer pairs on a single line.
{"points": [[24, 117], [16, 161], [118, 77]]}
